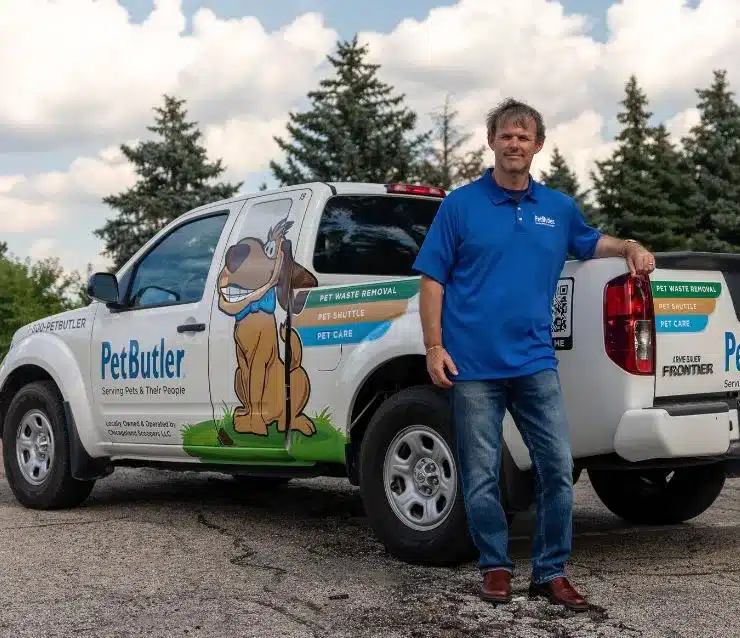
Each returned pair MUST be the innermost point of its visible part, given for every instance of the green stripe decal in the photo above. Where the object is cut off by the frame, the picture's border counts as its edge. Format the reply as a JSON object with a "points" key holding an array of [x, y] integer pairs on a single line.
{"points": [[687, 289], [387, 291]]}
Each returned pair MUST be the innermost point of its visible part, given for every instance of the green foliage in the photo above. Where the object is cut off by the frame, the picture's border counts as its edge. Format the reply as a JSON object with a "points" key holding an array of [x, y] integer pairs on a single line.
{"points": [[355, 130], [31, 291], [712, 156], [561, 177], [445, 165], [174, 176], [634, 187]]}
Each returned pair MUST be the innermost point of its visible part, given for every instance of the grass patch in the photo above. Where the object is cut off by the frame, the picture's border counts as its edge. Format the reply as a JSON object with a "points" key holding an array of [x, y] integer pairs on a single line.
{"points": [[218, 441]]}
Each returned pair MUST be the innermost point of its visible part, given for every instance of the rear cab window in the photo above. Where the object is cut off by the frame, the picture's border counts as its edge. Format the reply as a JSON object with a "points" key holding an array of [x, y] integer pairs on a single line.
{"points": [[369, 235]]}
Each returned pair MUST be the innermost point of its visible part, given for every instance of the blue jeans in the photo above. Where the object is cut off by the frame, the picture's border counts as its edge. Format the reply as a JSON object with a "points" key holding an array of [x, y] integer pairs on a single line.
{"points": [[536, 404]]}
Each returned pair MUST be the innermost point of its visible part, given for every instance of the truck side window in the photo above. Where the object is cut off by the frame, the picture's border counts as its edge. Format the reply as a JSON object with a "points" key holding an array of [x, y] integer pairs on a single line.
{"points": [[372, 234], [175, 270]]}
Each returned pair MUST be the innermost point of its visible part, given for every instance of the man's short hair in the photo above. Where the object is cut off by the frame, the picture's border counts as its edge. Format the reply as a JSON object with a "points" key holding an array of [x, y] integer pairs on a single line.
{"points": [[518, 111]]}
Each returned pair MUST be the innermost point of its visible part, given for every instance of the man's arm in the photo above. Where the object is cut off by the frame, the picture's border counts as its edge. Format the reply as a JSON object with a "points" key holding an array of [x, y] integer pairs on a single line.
{"points": [[639, 259], [434, 262], [430, 310], [586, 242]]}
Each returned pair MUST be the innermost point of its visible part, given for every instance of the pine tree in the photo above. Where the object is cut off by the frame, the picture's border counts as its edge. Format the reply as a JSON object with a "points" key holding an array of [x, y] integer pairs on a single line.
{"points": [[672, 226], [355, 130], [632, 190], [445, 165], [712, 152], [562, 178], [174, 176]]}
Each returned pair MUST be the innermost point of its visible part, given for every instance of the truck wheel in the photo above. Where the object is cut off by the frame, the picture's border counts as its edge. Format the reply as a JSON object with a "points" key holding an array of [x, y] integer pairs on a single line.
{"points": [[36, 450], [661, 496], [409, 479]]}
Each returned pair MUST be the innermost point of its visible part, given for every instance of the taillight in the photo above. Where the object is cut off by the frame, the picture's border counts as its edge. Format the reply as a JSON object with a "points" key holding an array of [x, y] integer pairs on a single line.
{"points": [[629, 323]]}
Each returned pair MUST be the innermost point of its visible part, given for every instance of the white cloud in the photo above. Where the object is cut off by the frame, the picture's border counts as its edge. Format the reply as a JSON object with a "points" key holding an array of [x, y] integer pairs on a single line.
{"points": [[671, 46], [483, 51], [86, 178], [19, 216], [680, 124], [81, 71], [244, 143], [43, 247], [580, 142], [67, 64]]}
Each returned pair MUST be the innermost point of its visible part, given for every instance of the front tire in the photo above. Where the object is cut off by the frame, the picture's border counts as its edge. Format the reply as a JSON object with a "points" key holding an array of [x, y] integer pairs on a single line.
{"points": [[658, 497], [36, 450], [409, 479]]}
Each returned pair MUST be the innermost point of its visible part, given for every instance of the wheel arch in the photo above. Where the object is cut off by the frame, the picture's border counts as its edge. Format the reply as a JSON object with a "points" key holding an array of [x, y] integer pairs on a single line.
{"points": [[45, 357], [380, 382], [20, 376]]}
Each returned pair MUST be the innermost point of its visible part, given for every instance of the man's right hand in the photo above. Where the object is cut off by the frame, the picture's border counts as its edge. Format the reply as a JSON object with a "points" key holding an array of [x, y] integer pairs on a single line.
{"points": [[437, 360]]}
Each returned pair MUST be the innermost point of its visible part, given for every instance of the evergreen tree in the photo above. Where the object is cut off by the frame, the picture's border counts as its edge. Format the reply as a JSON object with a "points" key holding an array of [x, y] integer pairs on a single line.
{"points": [[632, 191], [712, 152], [355, 130], [174, 176], [445, 165], [672, 225], [562, 178]]}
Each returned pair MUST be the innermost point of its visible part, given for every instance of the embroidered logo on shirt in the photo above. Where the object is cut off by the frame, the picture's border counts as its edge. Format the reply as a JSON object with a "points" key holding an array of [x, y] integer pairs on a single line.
{"points": [[542, 220]]}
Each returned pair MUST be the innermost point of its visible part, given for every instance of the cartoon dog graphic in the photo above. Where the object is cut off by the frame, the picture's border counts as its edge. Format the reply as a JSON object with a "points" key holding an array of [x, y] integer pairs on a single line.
{"points": [[254, 278]]}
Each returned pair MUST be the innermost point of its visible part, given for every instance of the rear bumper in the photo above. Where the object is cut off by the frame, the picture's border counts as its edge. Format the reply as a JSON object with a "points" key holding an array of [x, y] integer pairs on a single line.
{"points": [[678, 431]]}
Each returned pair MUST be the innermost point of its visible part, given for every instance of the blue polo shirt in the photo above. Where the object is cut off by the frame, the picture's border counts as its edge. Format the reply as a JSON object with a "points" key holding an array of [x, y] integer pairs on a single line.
{"points": [[499, 260]]}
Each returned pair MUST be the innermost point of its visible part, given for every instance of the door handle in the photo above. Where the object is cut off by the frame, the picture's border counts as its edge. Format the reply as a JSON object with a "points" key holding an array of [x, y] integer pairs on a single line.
{"points": [[191, 327]]}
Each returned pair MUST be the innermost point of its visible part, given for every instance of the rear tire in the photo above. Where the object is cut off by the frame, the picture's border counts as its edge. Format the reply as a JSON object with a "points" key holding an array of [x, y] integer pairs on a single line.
{"points": [[36, 450], [659, 497], [415, 426]]}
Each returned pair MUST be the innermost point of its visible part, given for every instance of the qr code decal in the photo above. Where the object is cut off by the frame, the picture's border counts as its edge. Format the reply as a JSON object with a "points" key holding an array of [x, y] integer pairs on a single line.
{"points": [[562, 315]]}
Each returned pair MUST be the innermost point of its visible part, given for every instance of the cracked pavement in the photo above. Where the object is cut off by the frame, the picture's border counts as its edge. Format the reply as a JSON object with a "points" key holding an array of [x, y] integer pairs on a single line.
{"points": [[154, 553]]}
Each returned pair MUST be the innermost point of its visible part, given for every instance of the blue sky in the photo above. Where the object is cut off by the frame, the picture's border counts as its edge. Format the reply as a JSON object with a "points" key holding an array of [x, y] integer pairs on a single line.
{"points": [[81, 78], [348, 16]]}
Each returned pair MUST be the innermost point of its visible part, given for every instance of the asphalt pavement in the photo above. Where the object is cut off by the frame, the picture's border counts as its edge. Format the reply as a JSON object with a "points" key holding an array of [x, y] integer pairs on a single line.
{"points": [[155, 553]]}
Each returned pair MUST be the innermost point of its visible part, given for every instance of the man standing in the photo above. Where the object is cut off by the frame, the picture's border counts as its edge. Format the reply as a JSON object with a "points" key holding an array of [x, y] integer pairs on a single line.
{"points": [[489, 264]]}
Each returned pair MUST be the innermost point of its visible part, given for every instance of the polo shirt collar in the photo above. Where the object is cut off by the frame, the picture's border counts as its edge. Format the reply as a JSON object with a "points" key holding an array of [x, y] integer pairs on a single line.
{"points": [[498, 195]]}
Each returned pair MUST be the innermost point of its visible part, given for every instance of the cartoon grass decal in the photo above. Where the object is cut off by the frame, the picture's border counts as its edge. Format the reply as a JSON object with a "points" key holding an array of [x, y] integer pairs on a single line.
{"points": [[218, 442]]}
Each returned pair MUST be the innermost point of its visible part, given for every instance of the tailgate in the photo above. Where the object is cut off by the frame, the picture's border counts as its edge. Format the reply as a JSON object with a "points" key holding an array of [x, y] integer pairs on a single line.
{"points": [[696, 297]]}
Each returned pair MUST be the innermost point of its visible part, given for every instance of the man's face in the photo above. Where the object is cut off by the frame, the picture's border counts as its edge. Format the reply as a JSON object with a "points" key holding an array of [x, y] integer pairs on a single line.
{"points": [[514, 145]]}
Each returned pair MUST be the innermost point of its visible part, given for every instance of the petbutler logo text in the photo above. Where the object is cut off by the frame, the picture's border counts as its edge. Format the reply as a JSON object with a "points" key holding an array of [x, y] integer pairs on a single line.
{"points": [[543, 220], [133, 362]]}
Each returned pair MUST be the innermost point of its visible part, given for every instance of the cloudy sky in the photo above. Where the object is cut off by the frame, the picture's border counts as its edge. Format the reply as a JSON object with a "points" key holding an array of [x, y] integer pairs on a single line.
{"points": [[79, 77]]}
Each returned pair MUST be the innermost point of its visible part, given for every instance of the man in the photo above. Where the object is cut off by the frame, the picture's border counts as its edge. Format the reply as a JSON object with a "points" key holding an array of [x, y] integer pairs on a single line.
{"points": [[489, 266]]}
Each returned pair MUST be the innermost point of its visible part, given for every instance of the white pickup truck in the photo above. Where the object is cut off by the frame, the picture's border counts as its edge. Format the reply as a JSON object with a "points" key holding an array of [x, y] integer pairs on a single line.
{"points": [[277, 335]]}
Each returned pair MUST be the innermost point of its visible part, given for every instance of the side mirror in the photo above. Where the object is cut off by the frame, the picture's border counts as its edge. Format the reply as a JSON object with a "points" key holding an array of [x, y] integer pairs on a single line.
{"points": [[103, 286]]}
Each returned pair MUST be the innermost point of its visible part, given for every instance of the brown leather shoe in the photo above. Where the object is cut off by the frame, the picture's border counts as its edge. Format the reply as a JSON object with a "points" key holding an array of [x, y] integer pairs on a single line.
{"points": [[496, 586], [560, 592]]}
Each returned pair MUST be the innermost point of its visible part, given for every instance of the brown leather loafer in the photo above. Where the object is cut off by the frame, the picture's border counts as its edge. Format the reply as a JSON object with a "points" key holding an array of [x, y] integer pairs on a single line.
{"points": [[496, 586], [560, 592]]}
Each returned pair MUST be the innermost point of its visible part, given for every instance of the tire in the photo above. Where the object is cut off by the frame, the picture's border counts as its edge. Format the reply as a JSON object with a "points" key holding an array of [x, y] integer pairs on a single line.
{"points": [[36, 411], [658, 497], [420, 414]]}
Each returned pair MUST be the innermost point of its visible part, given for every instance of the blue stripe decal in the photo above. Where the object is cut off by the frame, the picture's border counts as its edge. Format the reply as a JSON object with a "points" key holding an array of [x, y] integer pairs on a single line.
{"points": [[342, 333], [681, 323]]}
